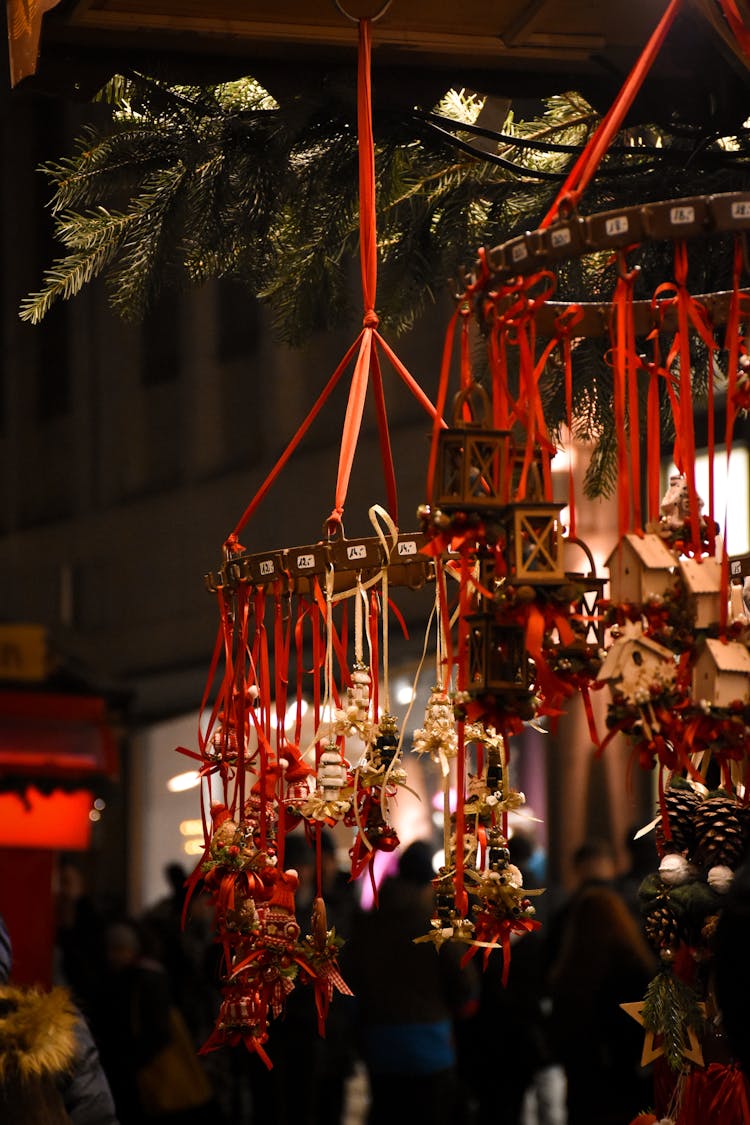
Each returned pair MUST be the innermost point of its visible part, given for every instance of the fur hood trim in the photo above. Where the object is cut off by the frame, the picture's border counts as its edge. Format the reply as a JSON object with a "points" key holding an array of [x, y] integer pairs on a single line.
{"points": [[37, 1032]]}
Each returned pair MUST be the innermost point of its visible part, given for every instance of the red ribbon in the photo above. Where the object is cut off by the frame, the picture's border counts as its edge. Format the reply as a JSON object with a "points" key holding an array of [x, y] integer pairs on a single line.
{"points": [[587, 163]]}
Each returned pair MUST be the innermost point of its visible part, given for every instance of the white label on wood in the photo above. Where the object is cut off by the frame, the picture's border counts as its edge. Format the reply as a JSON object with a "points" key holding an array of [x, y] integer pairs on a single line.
{"points": [[560, 237], [680, 215], [618, 225]]}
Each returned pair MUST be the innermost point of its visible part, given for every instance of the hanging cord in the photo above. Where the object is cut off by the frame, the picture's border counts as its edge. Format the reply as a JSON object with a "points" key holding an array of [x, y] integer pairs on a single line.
{"points": [[736, 24], [358, 615], [564, 327], [328, 694], [363, 346], [620, 326], [356, 19], [368, 250], [384, 627], [587, 163]]}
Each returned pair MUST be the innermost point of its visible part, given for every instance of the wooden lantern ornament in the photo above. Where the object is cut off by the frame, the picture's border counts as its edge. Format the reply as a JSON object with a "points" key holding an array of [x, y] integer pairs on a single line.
{"points": [[535, 544], [498, 663], [472, 458]]}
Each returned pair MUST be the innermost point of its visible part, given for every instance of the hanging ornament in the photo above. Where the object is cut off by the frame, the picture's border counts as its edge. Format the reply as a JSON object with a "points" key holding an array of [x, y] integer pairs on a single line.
{"points": [[672, 1018], [331, 799], [438, 737], [354, 718]]}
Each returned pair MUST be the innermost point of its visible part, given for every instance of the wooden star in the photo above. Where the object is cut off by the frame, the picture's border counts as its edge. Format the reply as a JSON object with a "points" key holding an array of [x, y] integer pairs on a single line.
{"points": [[652, 1043]]}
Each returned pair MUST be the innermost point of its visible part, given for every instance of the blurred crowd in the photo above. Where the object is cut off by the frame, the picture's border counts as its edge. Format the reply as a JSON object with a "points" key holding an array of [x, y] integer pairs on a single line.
{"points": [[429, 1033]]}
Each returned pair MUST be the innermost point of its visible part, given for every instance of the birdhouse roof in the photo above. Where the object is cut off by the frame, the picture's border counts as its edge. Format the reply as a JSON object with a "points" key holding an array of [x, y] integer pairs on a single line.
{"points": [[729, 657], [650, 549], [702, 577]]}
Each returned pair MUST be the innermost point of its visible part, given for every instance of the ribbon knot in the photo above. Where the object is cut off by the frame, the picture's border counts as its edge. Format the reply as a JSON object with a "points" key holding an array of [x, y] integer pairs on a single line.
{"points": [[370, 319]]}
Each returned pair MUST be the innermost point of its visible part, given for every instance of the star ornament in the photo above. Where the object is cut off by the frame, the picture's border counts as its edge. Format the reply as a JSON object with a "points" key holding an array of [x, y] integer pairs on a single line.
{"points": [[653, 1043]]}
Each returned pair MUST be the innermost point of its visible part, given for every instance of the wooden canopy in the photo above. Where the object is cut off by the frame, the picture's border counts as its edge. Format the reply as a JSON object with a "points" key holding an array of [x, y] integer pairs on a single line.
{"points": [[518, 48]]}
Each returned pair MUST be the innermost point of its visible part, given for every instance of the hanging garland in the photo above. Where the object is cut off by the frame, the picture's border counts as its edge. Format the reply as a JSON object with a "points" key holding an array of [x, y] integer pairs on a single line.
{"points": [[516, 633]]}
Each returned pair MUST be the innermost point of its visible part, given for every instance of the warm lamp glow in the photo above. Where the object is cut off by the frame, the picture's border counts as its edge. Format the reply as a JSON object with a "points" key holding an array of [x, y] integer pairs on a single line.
{"points": [[404, 693], [182, 781], [290, 717], [191, 827]]}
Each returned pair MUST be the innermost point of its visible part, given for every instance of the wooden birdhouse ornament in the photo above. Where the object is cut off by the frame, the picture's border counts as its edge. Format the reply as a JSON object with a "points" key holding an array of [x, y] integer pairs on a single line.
{"points": [[702, 581], [472, 458], [641, 566], [721, 675], [635, 664]]}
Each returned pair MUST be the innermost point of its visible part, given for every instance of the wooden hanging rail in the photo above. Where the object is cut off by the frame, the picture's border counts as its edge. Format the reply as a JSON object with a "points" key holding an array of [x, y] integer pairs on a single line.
{"points": [[626, 227], [596, 315], [350, 559]]}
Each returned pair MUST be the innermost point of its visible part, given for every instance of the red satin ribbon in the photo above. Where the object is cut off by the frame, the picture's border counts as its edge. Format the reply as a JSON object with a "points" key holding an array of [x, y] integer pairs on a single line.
{"points": [[587, 163], [736, 23]]}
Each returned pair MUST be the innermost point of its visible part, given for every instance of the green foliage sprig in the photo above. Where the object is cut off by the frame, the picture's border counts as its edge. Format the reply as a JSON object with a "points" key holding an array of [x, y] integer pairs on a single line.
{"points": [[671, 1009], [187, 184]]}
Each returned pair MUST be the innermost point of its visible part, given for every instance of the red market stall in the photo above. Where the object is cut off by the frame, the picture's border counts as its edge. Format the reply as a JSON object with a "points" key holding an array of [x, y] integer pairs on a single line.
{"points": [[56, 751]]}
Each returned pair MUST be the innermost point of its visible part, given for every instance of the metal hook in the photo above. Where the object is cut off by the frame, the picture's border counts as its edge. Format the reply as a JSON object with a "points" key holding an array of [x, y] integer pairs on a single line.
{"points": [[356, 19]]}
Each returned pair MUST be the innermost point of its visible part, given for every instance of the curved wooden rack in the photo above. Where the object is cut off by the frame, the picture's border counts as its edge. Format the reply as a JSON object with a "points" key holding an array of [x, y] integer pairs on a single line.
{"points": [[574, 236], [296, 568], [647, 315]]}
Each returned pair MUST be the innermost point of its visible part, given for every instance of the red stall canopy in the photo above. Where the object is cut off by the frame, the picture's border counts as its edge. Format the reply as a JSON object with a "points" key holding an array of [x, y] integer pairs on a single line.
{"points": [[54, 750]]}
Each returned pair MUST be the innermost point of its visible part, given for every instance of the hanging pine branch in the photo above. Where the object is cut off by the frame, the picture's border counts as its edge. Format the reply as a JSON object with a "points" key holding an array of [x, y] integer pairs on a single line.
{"points": [[193, 183], [187, 184]]}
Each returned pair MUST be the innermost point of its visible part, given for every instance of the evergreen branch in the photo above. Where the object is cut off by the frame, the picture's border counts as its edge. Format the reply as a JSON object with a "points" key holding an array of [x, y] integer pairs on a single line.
{"points": [[671, 1010], [92, 254]]}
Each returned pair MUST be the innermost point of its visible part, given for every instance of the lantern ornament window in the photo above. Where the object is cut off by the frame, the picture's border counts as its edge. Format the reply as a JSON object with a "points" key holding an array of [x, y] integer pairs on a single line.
{"points": [[498, 662], [473, 459], [535, 544]]}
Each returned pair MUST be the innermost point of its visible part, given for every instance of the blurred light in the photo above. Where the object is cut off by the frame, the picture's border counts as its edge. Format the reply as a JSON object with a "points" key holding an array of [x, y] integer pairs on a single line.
{"points": [[193, 847], [561, 461], [383, 865], [437, 800], [182, 781], [100, 804], [404, 693], [191, 827], [290, 718], [438, 860], [735, 500], [95, 815]]}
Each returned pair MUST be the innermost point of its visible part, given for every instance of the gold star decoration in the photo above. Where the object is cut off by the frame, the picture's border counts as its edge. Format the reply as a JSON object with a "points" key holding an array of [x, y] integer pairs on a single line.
{"points": [[653, 1042]]}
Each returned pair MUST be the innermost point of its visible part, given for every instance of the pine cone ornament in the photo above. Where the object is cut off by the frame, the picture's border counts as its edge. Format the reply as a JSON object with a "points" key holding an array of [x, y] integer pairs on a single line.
{"points": [[661, 928], [681, 802], [720, 830]]}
